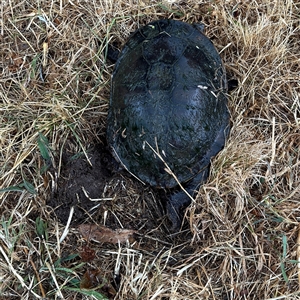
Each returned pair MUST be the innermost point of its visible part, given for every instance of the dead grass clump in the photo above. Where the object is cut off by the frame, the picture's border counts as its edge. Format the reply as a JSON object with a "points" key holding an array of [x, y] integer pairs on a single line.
{"points": [[243, 241]]}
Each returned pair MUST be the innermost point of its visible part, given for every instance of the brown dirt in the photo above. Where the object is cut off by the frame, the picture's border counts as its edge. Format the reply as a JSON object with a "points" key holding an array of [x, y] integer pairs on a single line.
{"points": [[78, 182], [101, 192]]}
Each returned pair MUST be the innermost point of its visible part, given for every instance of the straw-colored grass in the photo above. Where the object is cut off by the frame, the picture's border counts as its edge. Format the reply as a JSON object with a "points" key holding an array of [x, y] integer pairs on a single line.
{"points": [[54, 90]]}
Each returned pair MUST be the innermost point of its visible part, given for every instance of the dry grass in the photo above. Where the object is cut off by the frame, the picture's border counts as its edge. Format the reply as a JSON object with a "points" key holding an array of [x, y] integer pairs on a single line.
{"points": [[245, 222]]}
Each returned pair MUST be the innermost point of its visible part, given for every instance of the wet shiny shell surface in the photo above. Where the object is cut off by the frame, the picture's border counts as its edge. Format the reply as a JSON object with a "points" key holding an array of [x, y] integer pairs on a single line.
{"points": [[168, 103]]}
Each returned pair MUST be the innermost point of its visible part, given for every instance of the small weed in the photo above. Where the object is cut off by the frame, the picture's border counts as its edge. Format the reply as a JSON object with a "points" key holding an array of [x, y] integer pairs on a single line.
{"points": [[44, 148]]}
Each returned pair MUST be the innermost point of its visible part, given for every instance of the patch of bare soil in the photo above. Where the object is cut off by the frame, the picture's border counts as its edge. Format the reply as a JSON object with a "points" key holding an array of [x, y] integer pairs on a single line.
{"points": [[102, 193], [81, 182]]}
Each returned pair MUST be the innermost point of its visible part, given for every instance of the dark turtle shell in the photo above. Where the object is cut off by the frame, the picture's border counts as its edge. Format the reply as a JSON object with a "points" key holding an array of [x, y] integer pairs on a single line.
{"points": [[168, 103]]}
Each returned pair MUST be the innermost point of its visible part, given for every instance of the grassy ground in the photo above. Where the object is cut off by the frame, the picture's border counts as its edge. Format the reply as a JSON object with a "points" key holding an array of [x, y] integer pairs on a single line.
{"points": [[244, 235]]}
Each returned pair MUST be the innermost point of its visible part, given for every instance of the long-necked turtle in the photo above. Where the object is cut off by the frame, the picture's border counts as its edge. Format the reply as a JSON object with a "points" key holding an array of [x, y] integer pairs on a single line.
{"points": [[168, 108]]}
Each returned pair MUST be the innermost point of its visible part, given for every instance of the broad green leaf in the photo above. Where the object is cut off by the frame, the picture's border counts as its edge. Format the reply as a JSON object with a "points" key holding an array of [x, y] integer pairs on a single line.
{"points": [[85, 292], [29, 187], [41, 228], [43, 144]]}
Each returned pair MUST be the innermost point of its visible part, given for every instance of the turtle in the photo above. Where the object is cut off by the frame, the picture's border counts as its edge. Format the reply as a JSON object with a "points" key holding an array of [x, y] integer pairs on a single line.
{"points": [[168, 114]]}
